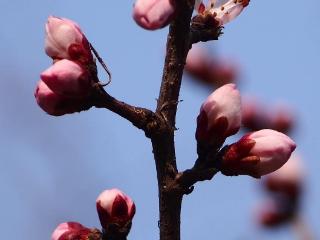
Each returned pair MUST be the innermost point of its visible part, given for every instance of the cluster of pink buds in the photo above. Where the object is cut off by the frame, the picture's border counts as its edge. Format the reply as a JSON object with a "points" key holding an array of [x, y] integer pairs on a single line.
{"points": [[223, 11], [65, 85], [209, 70], [255, 117], [255, 154], [115, 210], [285, 187]]}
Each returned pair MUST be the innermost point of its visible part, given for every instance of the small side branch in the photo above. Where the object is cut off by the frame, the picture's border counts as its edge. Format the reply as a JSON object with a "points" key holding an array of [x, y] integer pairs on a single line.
{"points": [[205, 168], [185, 180], [142, 118]]}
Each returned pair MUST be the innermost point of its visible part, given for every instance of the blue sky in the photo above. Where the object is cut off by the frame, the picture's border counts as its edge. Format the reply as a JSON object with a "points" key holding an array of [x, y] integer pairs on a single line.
{"points": [[52, 169]]}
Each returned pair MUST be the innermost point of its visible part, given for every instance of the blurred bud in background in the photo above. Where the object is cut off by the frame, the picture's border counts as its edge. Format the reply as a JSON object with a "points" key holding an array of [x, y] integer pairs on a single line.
{"points": [[257, 116], [285, 189], [210, 70]]}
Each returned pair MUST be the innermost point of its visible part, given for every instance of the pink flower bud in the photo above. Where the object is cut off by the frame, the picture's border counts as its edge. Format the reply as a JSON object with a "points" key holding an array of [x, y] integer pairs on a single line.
{"points": [[55, 104], [257, 154], [220, 114], [115, 208], [70, 231], [153, 14], [66, 77], [64, 39]]}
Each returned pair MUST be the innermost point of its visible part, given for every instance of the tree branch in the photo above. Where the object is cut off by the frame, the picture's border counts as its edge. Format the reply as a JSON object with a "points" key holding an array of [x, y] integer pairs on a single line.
{"points": [[205, 168], [178, 45], [144, 119], [188, 178], [160, 126]]}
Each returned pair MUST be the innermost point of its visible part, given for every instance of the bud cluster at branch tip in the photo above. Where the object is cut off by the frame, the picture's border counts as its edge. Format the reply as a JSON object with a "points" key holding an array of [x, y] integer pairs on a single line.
{"points": [[257, 154], [222, 11], [153, 14], [220, 115], [64, 86], [115, 210]]}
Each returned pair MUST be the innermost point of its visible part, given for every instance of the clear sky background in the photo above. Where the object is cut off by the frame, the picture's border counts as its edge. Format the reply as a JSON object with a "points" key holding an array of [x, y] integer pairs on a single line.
{"points": [[52, 169]]}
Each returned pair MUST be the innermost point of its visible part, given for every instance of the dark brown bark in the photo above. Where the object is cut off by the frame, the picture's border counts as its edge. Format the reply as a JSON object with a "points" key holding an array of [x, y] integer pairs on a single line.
{"points": [[178, 46], [144, 119], [169, 201]]}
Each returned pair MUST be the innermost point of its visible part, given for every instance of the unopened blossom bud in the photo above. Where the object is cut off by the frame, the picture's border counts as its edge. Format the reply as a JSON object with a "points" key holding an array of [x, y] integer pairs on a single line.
{"points": [[64, 39], [257, 154], [220, 114], [74, 231], [115, 210], [153, 14], [66, 77], [55, 104], [223, 11]]}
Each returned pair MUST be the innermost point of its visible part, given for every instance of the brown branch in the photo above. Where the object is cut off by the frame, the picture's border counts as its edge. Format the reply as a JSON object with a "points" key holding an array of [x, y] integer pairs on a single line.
{"points": [[160, 126], [178, 46], [144, 119], [205, 168], [177, 49], [188, 178]]}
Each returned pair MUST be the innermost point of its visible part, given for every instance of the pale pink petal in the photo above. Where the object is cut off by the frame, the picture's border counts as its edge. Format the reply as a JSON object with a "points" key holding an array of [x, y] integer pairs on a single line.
{"points": [[153, 14], [61, 33], [224, 102], [68, 78]]}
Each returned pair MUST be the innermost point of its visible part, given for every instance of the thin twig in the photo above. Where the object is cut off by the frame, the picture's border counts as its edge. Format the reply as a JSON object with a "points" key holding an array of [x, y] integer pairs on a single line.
{"points": [[102, 64]]}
